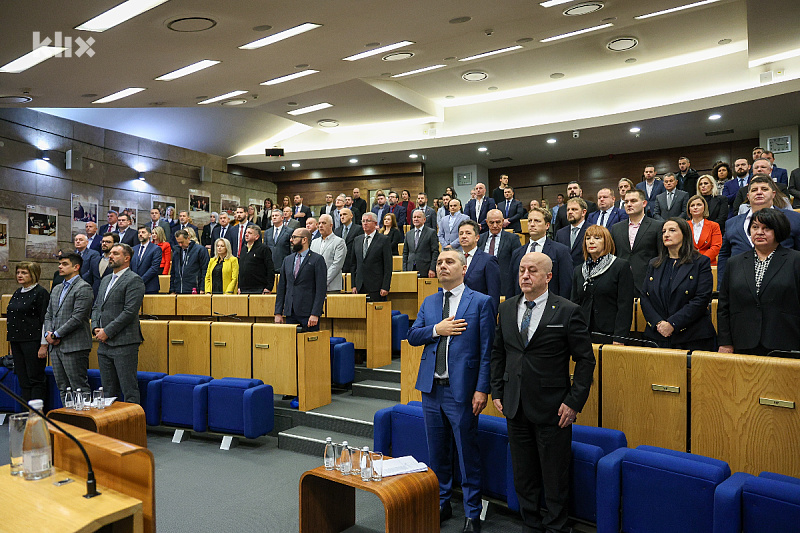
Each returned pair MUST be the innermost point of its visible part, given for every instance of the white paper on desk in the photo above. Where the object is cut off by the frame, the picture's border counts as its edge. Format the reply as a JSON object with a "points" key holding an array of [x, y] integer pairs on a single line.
{"points": [[402, 465], [109, 401]]}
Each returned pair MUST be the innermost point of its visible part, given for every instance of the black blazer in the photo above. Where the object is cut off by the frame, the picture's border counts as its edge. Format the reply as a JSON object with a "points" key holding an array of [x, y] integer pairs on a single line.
{"points": [[355, 231], [266, 220], [205, 237], [303, 295], [645, 247], [543, 364], [424, 255], [563, 236], [560, 220], [717, 210], [282, 247], [607, 303], [771, 318], [690, 294], [374, 272], [395, 237], [256, 269], [508, 244], [131, 238], [514, 214]]}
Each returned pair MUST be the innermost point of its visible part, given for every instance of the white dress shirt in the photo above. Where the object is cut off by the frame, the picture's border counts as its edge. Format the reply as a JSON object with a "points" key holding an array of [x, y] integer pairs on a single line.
{"points": [[455, 299], [536, 312]]}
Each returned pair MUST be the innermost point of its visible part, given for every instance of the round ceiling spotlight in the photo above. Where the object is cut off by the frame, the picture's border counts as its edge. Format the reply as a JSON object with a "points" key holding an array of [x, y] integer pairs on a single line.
{"points": [[14, 99], [635, 129], [413, 156], [551, 141], [301, 65], [263, 27], [449, 58], [557, 75], [474, 75], [353, 160], [191, 24], [449, 97], [291, 104], [725, 41], [460, 20], [372, 45], [327, 123], [620, 44], [398, 56], [631, 60], [492, 88], [295, 165], [239, 101], [524, 40], [583, 9], [482, 149], [715, 116]]}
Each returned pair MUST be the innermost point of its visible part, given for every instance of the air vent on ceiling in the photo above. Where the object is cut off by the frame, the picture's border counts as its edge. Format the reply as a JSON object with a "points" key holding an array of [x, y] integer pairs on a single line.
{"points": [[191, 24], [500, 159], [719, 132]]}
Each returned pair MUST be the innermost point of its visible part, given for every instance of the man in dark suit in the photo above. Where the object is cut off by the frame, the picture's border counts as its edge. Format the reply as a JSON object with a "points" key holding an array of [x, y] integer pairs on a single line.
{"points": [[66, 326], [477, 208], [457, 321], [531, 387], [538, 226], [397, 209], [381, 207], [156, 220], [430, 213], [277, 238], [183, 223], [300, 212], [208, 230], [421, 247], [624, 185], [372, 261], [301, 286], [760, 166], [686, 176], [146, 261], [103, 268], [348, 231], [607, 213], [672, 202], [794, 187], [189, 265], [737, 182], [573, 191], [90, 259], [115, 323], [779, 175], [359, 204], [651, 187], [512, 211], [762, 192], [223, 230], [644, 232], [499, 194], [313, 227], [127, 234], [93, 236], [502, 245], [483, 270], [329, 206], [256, 269], [111, 227], [571, 236], [237, 235]]}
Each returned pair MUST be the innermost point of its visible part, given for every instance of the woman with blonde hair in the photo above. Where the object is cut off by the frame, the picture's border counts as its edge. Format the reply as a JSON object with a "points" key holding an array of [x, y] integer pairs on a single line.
{"points": [[222, 276], [716, 203], [160, 238], [192, 234]]}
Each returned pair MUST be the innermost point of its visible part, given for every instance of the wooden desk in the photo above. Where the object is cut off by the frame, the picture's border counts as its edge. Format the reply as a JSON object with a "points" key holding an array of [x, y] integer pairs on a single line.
{"points": [[163, 283], [328, 501], [41, 506], [229, 304], [160, 305], [193, 305], [404, 293], [4, 299], [348, 312], [120, 420]]}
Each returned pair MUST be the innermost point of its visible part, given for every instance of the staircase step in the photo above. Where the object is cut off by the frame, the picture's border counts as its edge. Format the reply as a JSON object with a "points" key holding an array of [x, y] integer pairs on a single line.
{"points": [[377, 389], [386, 373], [311, 441]]}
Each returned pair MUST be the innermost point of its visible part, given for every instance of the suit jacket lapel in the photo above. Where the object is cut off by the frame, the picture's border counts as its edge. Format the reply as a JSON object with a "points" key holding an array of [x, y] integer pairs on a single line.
{"points": [[512, 320], [640, 234], [750, 271], [680, 274], [550, 309], [463, 304], [775, 265], [60, 287]]}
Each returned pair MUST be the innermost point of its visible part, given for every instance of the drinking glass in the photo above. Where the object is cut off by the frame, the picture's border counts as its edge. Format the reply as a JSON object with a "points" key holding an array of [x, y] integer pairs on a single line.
{"points": [[87, 400], [97, 399], [377, 466], [16, 431], [355, 458]]}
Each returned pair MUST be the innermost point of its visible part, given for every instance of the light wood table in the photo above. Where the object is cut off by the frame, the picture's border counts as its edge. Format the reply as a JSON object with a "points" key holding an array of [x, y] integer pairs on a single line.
{"points": [[41, 506], [120, 420], [328, 501]]}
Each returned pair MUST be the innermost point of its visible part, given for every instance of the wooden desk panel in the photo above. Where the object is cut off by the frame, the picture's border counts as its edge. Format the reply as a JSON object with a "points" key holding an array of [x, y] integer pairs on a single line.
{"points": [[397, 263], [120, 420], [405, 302], [193, 304], [714, 276], [275, 356], [523, 223], [93, 354], [348, 282], [400, 249], [714, 306], [410, 357], [313, 369], [154, 351], [346, 306], [160, 305], [590, 415], [230, 304], [404, 282], [163, 283], [629, 376], [261, 305], [426, 287], [729, 420], [4, 299], [231, 350], [379, 325], [352, 329], [190, 347], [5, 347], [641, 323]]}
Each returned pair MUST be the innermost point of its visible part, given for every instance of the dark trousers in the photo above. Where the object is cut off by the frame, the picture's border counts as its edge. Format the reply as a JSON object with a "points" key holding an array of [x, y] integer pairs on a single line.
{"points": [[448, 422], [540, 460], [303, 321], [118, 370], [70, 370], [373, 296], [29, 369]]}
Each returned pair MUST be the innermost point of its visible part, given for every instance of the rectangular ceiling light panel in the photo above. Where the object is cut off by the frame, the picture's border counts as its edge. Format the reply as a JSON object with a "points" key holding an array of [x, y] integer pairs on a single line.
{"points": [[185, 71], [119, 95], [119, 14], [285, 34], [376, 51], [31, 59], [576, 32], [290, 77], [310, 109], [674, 9], [221, 97]]}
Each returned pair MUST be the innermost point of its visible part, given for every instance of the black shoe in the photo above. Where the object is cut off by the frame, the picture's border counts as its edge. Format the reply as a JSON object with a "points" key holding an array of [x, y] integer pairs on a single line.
{"points": [[445, 512], [472, 525]]}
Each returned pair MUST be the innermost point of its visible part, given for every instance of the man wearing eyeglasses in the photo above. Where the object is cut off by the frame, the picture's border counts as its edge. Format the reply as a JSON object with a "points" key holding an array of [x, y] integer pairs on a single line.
{"points": [[302, 284]]}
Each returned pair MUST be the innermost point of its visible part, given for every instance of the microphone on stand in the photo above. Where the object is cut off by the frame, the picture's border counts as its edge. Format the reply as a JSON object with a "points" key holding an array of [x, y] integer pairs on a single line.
{"points": [[91, 483]]}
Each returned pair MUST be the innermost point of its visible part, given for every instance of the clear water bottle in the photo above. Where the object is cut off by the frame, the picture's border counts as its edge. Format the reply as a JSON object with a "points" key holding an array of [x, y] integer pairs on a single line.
{"points": [[366, 464], [99, 399], [330, 454], [78, 400], [69, 399], [36, 455], [347, 464]]}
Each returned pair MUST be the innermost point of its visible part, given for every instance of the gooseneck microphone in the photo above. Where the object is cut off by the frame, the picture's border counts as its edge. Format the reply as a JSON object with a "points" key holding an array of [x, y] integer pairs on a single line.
{"points": [[91, 483]]}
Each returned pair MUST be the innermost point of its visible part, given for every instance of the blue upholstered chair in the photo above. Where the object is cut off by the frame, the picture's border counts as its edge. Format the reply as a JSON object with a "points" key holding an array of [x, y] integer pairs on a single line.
{"points": [[657, 490], [179, 401], [343, 361], [747, 504], [53, 400], [144, 378], [240, 406], [7, 404], [400, 325]]}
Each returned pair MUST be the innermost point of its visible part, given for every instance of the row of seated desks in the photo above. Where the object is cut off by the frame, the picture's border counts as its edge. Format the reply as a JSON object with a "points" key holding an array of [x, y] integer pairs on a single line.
{"points": [[738, 408]]}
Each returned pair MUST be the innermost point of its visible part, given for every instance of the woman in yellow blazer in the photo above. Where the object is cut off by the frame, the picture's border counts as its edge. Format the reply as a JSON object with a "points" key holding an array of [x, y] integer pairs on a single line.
{"points": [[222, 276]]}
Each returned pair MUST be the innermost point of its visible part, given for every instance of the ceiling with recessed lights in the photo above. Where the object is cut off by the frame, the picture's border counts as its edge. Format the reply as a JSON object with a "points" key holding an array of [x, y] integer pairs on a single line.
{"points": [[450, 76]]}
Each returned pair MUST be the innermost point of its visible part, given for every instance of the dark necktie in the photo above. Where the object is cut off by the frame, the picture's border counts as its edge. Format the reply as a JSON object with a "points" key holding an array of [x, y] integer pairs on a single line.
{"points": [[297, 265], [241, 242], [141, 252], [603, 219], [508, 204], [441, 348], [222, 232], [533, 246], [526, 320], [491, 245], [366, 245], [416, 239], [345, 231]]}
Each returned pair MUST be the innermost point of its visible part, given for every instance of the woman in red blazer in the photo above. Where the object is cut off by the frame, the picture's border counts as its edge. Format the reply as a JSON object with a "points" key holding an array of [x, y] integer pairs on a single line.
{"points": [[707, 234]]}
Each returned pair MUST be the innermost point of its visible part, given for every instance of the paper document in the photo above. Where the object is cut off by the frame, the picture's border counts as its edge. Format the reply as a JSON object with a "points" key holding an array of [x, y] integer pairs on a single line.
{"points": [[402, 465]]}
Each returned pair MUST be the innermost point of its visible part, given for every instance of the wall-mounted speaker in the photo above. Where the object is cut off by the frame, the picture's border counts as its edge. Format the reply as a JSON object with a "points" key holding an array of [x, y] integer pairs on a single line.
{"points": [[205, 174], [74, 161]]}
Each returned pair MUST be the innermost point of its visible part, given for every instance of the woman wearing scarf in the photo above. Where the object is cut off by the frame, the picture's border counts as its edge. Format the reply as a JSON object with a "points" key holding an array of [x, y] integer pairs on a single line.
{"points": [[603, 287]]}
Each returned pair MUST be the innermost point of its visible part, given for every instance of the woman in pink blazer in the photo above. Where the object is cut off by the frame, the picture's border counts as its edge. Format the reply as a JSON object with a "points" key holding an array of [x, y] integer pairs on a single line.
{"points": [[707, 234]]}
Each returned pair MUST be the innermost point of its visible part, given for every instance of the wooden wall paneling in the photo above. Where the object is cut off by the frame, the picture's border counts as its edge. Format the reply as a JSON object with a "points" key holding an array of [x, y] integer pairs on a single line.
{"points": [[154, 351], [190, 347], [275, 356], [729, 419], [633, 398], [313, 369], [426, 287], [231, 350]]}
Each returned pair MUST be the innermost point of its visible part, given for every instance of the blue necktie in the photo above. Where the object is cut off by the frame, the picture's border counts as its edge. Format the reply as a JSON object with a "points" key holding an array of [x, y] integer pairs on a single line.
{"points": [[64, 290], [507, 206], [526, 320]]}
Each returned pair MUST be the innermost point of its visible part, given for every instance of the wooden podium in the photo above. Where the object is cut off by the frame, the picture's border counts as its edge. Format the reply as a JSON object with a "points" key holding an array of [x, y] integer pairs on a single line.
{"points": [[120, 420]]}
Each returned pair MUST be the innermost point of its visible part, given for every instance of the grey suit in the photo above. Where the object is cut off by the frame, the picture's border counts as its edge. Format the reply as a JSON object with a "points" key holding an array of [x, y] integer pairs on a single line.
{"points": [[334, 252], [677, 209], [117, 313], [280, 248], [423, 256], [69, 322]]}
